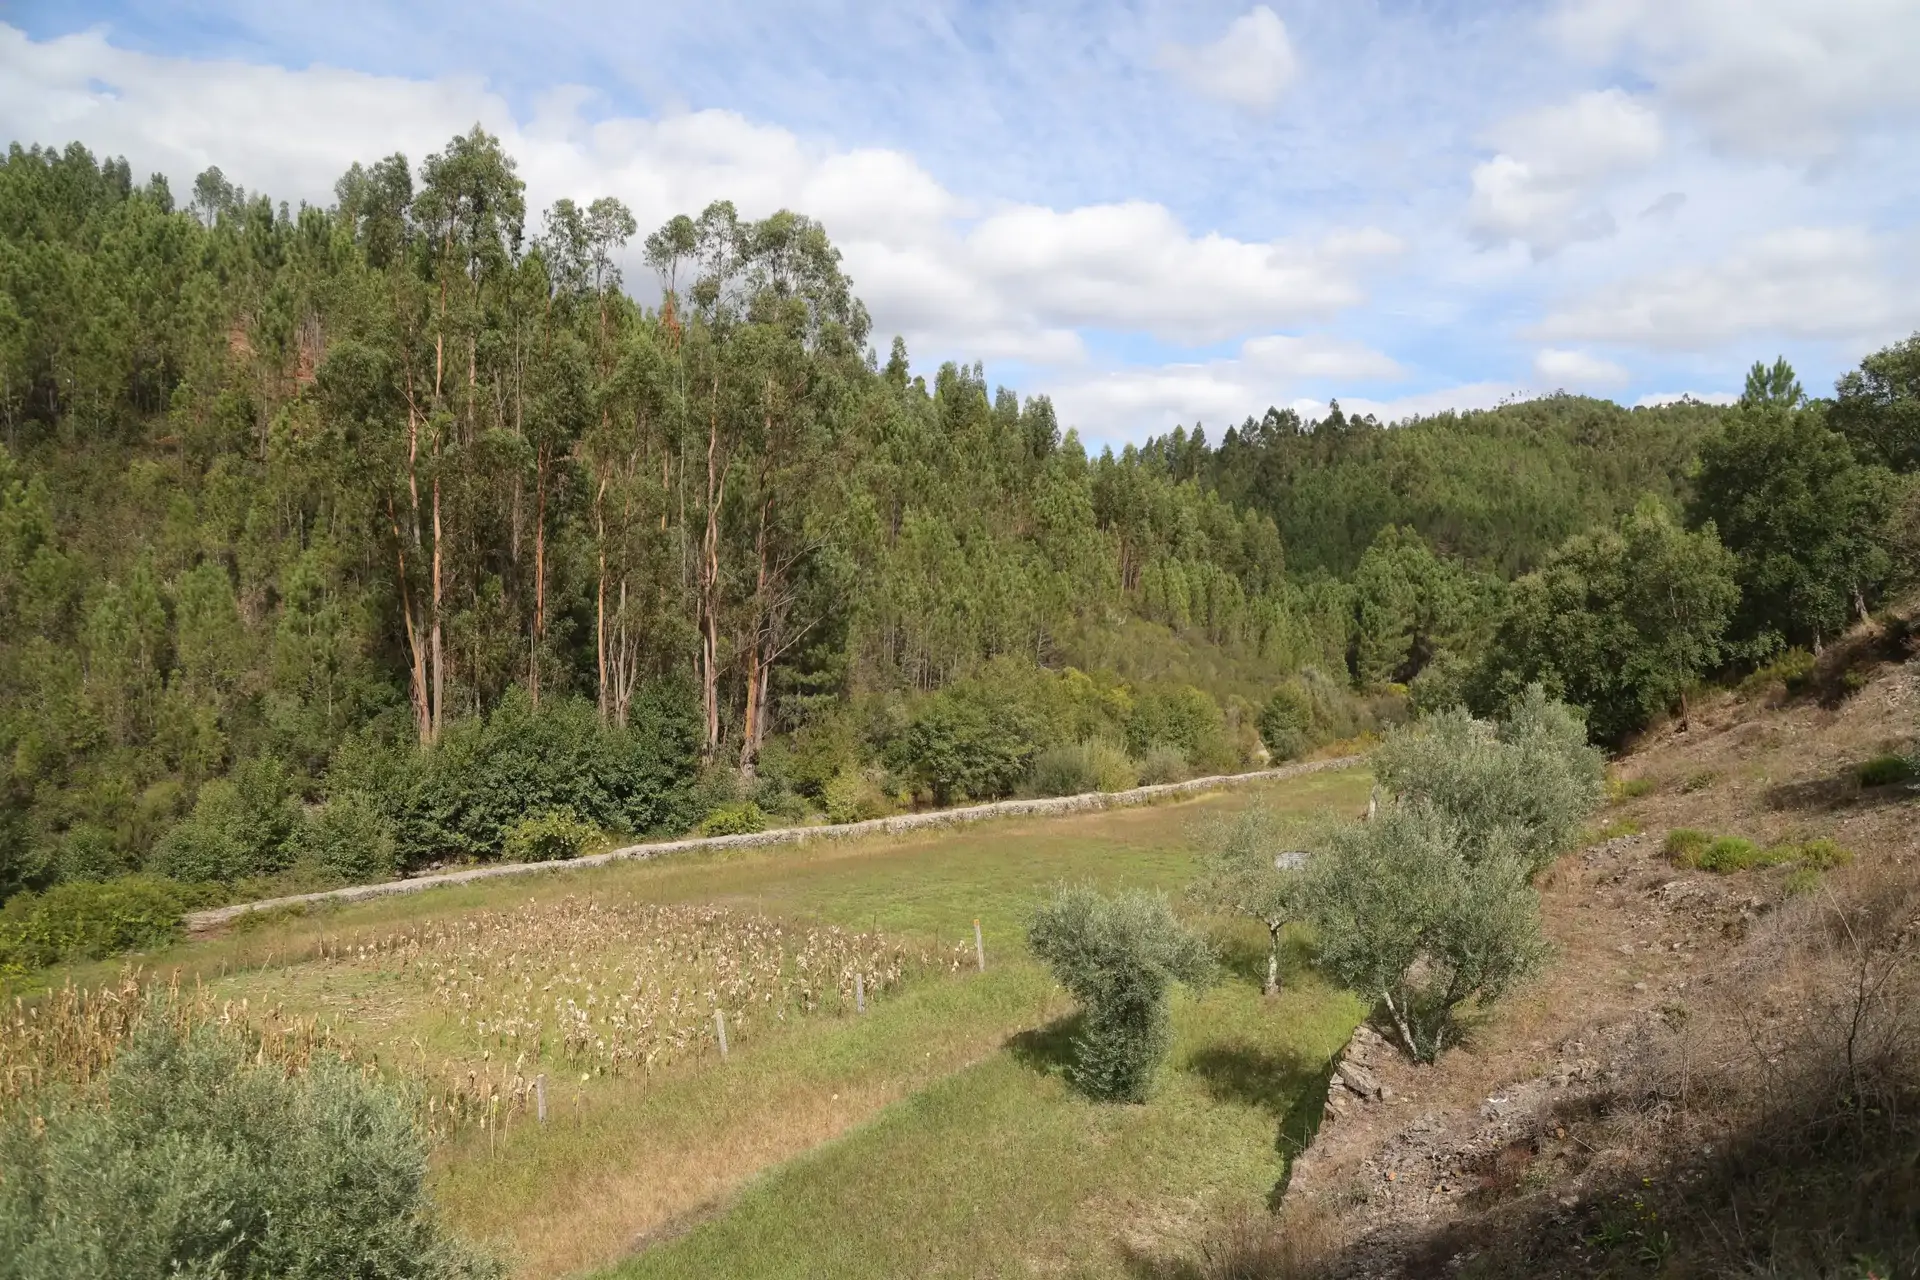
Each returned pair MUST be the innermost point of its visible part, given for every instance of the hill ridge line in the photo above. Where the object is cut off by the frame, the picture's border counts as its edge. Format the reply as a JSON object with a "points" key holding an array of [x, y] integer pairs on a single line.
{"points": [[1086, 802]]}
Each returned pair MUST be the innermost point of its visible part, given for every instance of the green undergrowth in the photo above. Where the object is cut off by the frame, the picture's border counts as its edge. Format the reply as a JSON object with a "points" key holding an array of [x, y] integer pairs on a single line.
{"points": [[1702, 851]]}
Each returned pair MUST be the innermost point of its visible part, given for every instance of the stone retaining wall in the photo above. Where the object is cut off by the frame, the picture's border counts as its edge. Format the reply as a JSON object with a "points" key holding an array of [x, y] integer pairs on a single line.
{"points": [[200, 920]]}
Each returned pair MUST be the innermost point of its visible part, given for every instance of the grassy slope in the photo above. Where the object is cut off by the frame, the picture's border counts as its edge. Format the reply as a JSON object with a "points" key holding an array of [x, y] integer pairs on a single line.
{"points": [[634, 1158], [1003, 1170]]}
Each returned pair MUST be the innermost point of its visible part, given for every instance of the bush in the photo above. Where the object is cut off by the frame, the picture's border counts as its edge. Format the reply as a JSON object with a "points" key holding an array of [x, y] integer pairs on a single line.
{"points": [[1074, 769], [459, 798], [1792, 671], [968, 744], [1725, 855], [196, 1161], [1822, 855], [1286, 723], [741, 819], [1418, 915], [1441, 685], [1529, 782], [1161, 765], [550, 837], [1884, 771], [851, 796], [347, 839], [1684, 844], [239, 827], [1183, 718], [1118, 956], [1630, 788], [90, 920]]}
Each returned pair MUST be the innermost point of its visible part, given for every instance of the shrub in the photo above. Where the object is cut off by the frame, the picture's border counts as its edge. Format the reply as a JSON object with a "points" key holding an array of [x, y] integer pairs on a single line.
{"points": [[1884, 771], [1698, 781], [1822, 855], [194, 1160], [90, 852], [1727, 854], [1801, 881], [1792, 670], [1630, 788], [1118, 956], [1684, 844], [459, 798], [1441, 685], [1417, 916], [1065, 770], [741, 819], [1077, 768], [1183, 718], [1163, 764], [1286, 723], [89, 920], [852, 796], [550, 837], [967, 744], [348, 839], [239, 827], [1529, 782]]}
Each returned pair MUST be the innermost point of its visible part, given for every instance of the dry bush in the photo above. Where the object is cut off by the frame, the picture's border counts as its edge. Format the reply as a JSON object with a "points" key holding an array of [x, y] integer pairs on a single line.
{"points": [[1299, 1243], [1770, 1125]]}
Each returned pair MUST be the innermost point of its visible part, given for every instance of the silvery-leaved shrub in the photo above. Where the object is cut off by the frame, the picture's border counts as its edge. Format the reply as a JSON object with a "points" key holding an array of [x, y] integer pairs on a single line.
{"points": [[191, 1159], [1528, 781], [1418, 916], [1118, 957]]}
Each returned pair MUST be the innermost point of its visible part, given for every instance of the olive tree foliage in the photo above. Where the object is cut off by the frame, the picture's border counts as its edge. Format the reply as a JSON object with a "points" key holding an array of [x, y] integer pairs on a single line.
{"points": [[194, 1160], [1430, 903], [1118, 956], [1419, 914], [1526, 782], [1251, 869]]}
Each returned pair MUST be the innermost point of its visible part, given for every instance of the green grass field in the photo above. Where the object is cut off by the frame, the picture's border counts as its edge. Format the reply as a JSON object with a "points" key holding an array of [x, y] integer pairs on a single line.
{"points": [[934, 1135]]}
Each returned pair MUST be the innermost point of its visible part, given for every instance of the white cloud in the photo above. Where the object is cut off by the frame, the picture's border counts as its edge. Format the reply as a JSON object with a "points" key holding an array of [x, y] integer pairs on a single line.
{"points": [[1803, 283], [1456, 399], [1132, 267], [1267, 370], [1250, 65], [1541, 188], [955, 278], [1576, 370], [1792, 79]]}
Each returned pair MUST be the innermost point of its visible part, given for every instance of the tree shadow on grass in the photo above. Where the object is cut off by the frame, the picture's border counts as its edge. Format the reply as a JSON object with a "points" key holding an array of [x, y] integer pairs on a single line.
{"points": [[1288, 1086], [1241, 947], [1049, 1049]]}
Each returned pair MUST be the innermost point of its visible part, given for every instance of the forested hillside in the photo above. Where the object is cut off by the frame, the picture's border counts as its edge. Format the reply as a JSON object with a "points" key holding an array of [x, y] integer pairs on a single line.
{"points": [[335, 542], [1498, 488]]}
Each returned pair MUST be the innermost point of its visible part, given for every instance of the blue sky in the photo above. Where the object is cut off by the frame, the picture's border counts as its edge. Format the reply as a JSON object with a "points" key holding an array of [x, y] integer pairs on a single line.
{"points": [[1154, 212]]}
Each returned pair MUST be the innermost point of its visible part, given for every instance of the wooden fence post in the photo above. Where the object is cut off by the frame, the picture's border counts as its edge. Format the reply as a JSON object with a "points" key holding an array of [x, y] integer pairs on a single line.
{"points": [[540, 1095], [979, 947], [859, 993], [720, 1023]]}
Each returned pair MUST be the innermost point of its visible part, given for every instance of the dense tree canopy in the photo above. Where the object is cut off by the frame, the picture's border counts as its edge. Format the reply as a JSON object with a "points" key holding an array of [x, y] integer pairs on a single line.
{"points": [[347, 506]]}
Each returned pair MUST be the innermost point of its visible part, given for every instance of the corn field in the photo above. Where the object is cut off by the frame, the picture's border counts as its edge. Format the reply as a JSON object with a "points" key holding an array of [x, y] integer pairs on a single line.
{"points": [[576, 988]]}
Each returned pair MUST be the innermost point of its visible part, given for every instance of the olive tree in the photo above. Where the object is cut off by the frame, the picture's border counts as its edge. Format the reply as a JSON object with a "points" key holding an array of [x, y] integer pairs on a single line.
{"points": [[1526, 782], [1249, 869], [194, 1159], [1419, 915], [1118, 956]]}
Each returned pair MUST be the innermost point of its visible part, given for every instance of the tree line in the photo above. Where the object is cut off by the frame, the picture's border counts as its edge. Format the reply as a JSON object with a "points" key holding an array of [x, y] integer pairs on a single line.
{"points": [[337, 541]]}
